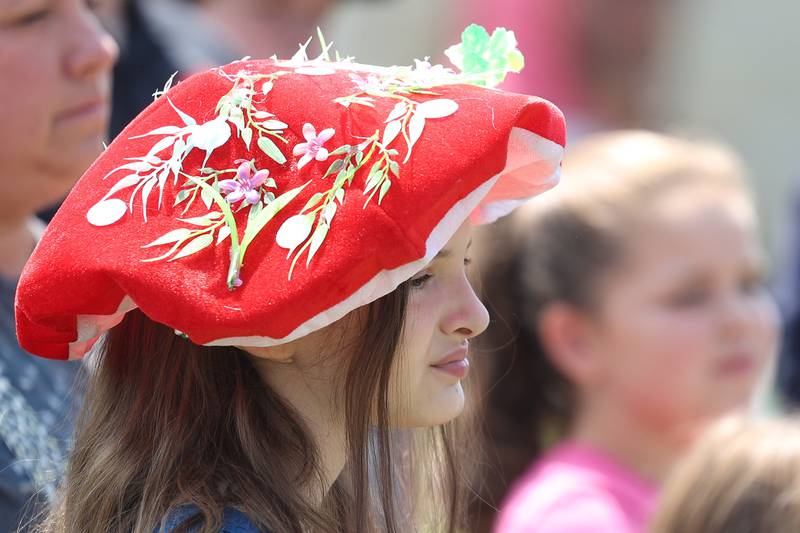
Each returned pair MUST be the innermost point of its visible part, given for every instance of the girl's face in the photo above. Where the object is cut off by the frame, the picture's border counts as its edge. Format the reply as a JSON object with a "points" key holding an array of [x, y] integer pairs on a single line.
{"points": [[685, 325], [55, 65], [442, 315]]}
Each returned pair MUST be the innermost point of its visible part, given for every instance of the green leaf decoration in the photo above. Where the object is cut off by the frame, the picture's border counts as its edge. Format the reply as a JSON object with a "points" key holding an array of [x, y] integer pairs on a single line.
{"points": [[230, 221], [206, 197], [274, 124], [170, 237], [313, 202], [271, 149], [335, 167], [384, 189], [206, 220], [316, 241], [247, 136], [266, 214], [224, 233], [181, 196], [486, 59], [195, 245], [255, 209]]}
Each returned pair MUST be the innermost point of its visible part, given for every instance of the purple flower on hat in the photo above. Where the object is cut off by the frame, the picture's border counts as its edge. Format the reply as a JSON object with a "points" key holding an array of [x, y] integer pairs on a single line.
{"points": [[245, 185], [370, 84], [313, 149]]}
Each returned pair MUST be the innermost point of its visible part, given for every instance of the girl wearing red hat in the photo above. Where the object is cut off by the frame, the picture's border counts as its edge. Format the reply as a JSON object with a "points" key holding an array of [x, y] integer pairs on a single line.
{"points": [[269, 264]]}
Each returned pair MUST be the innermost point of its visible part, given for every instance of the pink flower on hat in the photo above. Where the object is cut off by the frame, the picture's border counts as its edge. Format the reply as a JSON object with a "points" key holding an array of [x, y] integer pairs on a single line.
{"points": [[313, 149], [245, 185]]}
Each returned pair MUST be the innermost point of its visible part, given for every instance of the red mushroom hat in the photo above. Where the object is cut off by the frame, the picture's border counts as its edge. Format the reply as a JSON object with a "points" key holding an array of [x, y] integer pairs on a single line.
{"points": [[257, 202]]}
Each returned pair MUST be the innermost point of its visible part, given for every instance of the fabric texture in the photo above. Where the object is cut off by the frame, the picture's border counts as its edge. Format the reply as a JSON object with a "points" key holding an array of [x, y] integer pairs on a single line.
{"points": [[576, 489], [249, 188]]}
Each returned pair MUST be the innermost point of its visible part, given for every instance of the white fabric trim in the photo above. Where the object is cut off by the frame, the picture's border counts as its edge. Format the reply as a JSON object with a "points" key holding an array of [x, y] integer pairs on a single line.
{"points": [[533, 165], [90, 327]]}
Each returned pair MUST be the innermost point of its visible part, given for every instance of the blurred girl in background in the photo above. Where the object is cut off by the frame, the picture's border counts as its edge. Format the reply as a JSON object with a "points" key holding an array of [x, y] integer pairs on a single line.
{"points": [[631, 314]]}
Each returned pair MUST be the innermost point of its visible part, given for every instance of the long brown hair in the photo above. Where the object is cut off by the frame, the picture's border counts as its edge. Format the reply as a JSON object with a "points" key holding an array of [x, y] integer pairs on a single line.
{"points": [[168, 424], [559, 248]]}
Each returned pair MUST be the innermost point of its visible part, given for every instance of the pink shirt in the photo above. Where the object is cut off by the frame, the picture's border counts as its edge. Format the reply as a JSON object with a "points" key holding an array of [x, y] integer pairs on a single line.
{"points": [[576, 489]]}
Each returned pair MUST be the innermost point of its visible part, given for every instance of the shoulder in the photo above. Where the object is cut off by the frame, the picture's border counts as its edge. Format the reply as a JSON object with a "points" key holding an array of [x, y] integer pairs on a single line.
{"points": [[237, 522], [234, 521], [555, 497]]}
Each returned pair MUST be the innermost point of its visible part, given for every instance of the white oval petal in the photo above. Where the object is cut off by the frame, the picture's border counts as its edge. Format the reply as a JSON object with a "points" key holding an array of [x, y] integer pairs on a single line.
{"points": [[329, 211], [127, 181], [294, 231], [415, 127], [442, 107], [106, 212], [391, 131], [398, 111]]}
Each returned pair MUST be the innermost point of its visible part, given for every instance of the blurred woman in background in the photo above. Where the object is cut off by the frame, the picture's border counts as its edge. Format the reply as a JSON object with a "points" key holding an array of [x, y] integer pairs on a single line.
{"points": [[55, 66]]}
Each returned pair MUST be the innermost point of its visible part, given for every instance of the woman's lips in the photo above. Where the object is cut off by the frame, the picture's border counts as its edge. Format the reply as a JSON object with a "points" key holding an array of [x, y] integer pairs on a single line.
{"points": [[454, 364], [736, 365], [94, 109]]}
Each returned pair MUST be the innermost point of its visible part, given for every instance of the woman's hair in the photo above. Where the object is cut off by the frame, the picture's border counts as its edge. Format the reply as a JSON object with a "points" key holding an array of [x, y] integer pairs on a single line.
{"points": [[742, 477], [559, 248], [167, 423]]}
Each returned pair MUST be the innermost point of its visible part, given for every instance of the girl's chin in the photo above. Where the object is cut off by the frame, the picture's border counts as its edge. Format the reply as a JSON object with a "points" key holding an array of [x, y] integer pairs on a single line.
{"points": [[449, 404]]}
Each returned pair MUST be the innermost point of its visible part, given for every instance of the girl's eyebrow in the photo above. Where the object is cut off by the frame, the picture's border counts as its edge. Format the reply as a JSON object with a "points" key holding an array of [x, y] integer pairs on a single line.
{"points": [[445, 252]]}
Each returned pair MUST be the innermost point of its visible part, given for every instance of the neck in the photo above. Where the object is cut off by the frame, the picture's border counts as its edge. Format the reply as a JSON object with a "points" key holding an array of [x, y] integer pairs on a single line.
{"points": [[17, 240], [648, 450], [315, 402]]}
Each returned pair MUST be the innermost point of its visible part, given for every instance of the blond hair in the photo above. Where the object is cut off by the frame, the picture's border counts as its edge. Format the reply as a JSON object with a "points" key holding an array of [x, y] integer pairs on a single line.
{"points": [[742, 477]]}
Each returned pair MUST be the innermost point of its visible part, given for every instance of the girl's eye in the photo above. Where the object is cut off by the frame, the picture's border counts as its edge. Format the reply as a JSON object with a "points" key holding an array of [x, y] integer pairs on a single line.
{"points": [[689, 298], [420, 281], [753, 284], [31, 18]]}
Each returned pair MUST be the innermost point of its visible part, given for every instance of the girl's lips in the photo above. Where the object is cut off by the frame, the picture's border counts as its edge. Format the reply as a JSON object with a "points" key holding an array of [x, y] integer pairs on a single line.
{"points": [[455, 363], [458, 369]]}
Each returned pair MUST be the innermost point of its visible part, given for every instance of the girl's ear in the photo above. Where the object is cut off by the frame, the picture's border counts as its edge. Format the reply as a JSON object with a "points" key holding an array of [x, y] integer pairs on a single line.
{"points": [[565, 333], [283, 353]]}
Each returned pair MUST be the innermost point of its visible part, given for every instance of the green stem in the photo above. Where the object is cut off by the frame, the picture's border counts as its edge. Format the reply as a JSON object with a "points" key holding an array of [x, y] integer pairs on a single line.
{"points": [[233, 269]]}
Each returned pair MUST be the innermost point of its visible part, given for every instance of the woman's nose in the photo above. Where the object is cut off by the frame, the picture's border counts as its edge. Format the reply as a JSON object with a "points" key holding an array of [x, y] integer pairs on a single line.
{"points": [[89, 49]]}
